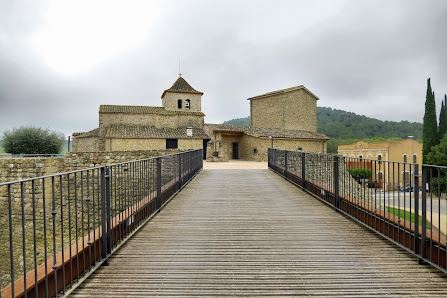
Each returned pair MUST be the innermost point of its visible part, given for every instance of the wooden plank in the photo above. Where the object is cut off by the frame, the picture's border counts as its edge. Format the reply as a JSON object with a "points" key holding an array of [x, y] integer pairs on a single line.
{"points": [[249, 232]]}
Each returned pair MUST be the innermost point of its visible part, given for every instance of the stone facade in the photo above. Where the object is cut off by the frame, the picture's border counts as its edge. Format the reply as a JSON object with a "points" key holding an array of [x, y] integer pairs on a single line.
{"points": [[156, 120], [170, 101], [145, 127], [256, 148], [153, 144], [85, 144], [293, 108], [289, 116], [409, 151]]}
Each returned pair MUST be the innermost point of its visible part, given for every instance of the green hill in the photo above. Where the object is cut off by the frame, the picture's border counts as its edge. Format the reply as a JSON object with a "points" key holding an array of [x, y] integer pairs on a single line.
{"points": [[347, 127]]}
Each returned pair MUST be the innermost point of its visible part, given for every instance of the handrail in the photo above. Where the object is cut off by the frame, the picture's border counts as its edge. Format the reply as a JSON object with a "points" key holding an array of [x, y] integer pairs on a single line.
{"points": [[90, 212], [403, 202]]}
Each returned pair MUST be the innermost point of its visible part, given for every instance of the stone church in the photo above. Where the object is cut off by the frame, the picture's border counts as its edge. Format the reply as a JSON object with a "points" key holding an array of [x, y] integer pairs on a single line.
{"points": [[286, 119]]}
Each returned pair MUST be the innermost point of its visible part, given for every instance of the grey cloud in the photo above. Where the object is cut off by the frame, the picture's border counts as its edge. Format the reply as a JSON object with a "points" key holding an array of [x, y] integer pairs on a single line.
{"points": [[369, 57]]}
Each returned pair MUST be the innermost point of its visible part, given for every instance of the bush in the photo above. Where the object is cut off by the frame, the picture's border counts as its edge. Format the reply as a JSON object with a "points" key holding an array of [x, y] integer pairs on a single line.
{"points": [[360, 173], [32, 140]]}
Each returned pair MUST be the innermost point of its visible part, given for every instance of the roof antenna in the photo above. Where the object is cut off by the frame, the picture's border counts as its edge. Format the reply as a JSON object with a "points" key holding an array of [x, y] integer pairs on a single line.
{"points": [[179, 73]]}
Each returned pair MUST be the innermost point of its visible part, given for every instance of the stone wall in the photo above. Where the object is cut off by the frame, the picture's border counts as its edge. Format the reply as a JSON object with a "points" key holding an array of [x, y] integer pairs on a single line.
{"points": [[216, 146], [85, 144], [13, 169], [296, 110], [159, 121], [170, 101], [154, 144], [256, 149]]}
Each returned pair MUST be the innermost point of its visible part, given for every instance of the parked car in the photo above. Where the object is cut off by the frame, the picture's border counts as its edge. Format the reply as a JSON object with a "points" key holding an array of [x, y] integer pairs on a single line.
{"points": [[409, 188]]}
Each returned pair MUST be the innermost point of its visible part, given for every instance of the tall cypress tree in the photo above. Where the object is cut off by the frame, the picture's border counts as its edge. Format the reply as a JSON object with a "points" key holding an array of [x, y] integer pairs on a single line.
{"points": [[430, 127], [443, 119]]}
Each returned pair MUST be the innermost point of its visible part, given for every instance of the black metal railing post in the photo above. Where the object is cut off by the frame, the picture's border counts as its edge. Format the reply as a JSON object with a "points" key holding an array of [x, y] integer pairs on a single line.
{"points": [[424, 214], [268, 158], [285, 164], [303, 169], [103, 217], [416, 207], [336, 183], [158, 161], [108, 210], [179, 170]]}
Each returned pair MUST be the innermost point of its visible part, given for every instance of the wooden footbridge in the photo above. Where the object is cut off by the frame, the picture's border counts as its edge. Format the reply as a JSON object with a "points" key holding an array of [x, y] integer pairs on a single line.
{"points": [[249, 232], [169, 226]]}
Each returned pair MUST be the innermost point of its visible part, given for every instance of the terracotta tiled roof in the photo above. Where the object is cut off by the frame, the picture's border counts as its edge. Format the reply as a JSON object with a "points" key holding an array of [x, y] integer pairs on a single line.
{"points": [[182, 86], [150, 132], [144, 110], [283, 91], [88, 134], [266, 132]]}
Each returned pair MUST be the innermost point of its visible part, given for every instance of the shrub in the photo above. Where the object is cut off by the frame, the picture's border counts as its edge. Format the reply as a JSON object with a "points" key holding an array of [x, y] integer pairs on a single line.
{"points": [[32, 140], [360, 173]]}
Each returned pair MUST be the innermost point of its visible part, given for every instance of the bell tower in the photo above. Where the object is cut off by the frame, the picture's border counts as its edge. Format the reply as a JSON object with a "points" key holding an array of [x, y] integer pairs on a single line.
{"points": [[182, 97]]}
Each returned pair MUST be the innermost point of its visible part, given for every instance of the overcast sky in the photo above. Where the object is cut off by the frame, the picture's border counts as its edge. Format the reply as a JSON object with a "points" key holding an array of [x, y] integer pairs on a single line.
{"points": [[60, 60]]}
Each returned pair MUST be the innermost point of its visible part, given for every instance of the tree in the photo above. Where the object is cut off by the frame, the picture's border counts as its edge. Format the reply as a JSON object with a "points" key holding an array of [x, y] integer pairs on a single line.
{"points": [[32, 140], [438, 156], [443, 119], [429, 128]]}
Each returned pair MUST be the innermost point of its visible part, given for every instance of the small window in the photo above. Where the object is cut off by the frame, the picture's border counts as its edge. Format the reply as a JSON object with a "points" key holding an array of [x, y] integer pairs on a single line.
{"points": [[405, 158], [415, 158], [380, 174], [379, 157], [171, 143], [187, 104], [406, 177], [361, 157], [255, 151], [300, 149], [179, 103]]}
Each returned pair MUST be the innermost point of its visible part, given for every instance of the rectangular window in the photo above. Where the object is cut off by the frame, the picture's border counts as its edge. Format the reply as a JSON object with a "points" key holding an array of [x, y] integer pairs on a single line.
{"points": [[379, 157], [415, 158], [405, 157], [380, 174], [406, 178], [171, 143]]}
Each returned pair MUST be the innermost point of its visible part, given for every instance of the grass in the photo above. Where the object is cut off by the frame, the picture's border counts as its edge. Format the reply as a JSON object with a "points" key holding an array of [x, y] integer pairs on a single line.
{"points": [[407, 215]]}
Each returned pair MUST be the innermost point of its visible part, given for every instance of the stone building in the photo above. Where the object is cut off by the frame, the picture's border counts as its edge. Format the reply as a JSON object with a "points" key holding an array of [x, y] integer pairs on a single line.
{"points": [[178, 124], [388, 175], [286, 119]]}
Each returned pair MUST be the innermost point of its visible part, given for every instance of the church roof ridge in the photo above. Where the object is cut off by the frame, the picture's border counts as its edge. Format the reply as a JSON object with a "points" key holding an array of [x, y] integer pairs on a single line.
{"points": [[181, 86]]}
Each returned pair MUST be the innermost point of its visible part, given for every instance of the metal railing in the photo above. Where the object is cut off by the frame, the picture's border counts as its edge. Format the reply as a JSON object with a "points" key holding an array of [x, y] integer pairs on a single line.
{"points": [[56, 230], [404, 202]]}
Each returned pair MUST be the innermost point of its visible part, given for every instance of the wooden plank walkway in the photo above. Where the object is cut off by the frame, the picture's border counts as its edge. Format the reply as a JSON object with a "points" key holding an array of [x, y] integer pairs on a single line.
{"points": [[251, 233]]}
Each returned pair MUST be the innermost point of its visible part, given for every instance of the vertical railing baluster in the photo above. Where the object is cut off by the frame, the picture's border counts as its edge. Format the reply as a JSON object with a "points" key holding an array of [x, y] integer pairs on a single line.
{"points": [[103, 251], [11, 249], [53, 213], [416, 208], [33, 191]]}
